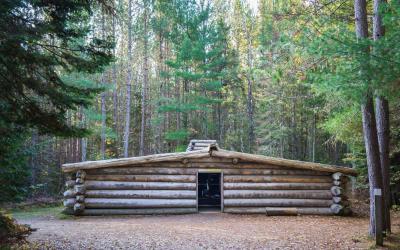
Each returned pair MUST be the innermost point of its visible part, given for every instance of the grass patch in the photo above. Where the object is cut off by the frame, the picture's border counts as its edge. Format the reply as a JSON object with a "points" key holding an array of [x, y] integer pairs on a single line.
{"points": [[390, 242], [30, 212]]}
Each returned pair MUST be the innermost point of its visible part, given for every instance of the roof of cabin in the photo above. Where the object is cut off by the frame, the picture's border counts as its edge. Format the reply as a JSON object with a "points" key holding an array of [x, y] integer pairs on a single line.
{"points": [[195, 144], [212, 150]]}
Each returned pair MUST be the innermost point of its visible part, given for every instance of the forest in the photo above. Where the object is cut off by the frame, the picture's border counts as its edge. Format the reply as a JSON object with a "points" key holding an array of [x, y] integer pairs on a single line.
{"points": [[314, 81]]}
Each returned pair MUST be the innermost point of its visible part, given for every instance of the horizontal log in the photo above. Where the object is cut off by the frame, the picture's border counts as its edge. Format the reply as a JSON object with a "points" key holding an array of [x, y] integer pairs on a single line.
{"points": [[80, 189], [138, 203], [116, 211], [116, 185], [199, 163], [143, 178], [280, 210], [222, 165], [207, 163], [203, 143], [277, 178], [79, 207], [189, 171], [144, 194], [69, 202], [71, 167], [142, 170], [282, 162], [277, 203], [70, 193], [282, 171], [199, 148], [277, 186], [211, 160], [296, 194], [337, 191], [337, 209]]}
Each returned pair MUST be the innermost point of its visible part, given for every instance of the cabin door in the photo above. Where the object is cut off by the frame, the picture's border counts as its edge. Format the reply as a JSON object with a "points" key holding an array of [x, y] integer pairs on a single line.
{"points": [[209, 191]]}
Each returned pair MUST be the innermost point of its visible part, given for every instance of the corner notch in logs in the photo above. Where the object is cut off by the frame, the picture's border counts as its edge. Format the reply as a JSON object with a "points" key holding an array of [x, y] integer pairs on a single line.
{"points": [[340, 204], [80, 190]]}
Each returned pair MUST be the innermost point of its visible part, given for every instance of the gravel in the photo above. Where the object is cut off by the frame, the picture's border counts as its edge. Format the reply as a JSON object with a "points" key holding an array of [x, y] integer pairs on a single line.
{"points": [[199, 231]]}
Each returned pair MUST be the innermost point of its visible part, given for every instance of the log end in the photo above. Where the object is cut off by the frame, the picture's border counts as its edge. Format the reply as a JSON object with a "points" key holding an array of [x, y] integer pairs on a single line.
{"points": [[337, 209], [80, 189], [337, 191], [78, 208]]}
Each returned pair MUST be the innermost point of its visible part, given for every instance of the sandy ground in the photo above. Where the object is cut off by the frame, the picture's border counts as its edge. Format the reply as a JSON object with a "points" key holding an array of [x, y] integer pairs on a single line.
{"points": [[200, 231]]}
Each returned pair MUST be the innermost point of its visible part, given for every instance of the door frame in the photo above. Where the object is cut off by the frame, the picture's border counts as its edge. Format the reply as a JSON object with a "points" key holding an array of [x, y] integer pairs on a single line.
{"points": [[211, 171]]}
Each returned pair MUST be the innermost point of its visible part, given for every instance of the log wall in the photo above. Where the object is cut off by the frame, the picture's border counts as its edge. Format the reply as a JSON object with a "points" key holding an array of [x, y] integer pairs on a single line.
{"points": [[171, 188], [283, 192]]}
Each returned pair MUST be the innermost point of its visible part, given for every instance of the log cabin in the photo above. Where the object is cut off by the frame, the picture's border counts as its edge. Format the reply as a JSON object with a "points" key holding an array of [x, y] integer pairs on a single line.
{"points": [[202, 178]]}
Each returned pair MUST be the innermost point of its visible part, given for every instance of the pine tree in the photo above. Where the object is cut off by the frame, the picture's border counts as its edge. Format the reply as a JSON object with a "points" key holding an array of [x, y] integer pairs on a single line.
{"points": [[201, 65], [38, 40]]}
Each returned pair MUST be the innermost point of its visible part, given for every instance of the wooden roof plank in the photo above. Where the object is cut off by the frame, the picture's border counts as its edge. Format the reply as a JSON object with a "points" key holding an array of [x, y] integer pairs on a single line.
{"points": [[70, 167], [283, 162], [211, 150]]}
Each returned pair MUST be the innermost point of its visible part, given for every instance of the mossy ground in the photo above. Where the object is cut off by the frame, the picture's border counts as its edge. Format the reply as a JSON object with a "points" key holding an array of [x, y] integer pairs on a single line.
{"points": [[39, 211]]}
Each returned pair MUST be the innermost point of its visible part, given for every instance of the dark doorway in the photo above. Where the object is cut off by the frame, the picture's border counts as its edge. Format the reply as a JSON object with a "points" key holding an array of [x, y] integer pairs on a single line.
{"points": [[209, 191]]}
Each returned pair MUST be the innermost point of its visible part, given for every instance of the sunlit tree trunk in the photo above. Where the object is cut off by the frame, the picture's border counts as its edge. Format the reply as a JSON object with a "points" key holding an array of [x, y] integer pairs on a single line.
{"points": [[128, 83], [115, 90], [145, 80], [368, 119], [382, 124]]}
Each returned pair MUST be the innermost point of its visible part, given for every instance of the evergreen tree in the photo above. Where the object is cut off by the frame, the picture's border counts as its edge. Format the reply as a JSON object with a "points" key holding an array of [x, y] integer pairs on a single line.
{"points": [[202, 65], [38, 40]]}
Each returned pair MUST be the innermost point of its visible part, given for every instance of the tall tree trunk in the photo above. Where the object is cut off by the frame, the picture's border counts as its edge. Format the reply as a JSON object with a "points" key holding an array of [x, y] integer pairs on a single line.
{"points": [[115, 91], [145, 80], [83, 139], [372, 151], [103, 125], [368, 120], [128, 82], [250, 113], [33, 158], [382, 122], [313, 137], [103, 103]]}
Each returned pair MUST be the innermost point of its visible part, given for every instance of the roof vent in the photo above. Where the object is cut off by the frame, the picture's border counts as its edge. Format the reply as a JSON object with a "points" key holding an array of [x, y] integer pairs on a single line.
{"points": [[200, 144]]}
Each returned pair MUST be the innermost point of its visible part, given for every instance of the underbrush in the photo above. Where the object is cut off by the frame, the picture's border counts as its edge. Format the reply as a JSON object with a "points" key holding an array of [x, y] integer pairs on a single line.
{"points": [[11, 232]]}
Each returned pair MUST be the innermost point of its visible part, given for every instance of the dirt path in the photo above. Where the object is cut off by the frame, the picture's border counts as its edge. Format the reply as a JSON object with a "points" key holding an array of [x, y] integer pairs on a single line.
{"points": [[200, 231]]}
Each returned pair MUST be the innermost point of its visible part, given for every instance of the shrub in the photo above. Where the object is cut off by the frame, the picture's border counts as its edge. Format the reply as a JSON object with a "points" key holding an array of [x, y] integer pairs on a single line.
{"points": [[10, 231]]}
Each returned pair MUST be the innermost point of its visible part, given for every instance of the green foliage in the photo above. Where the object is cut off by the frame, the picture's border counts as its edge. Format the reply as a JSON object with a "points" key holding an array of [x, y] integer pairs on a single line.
{"points": [[14, 169], [346, 126], [39, 39], [201, 64], [344, 57], [177, 135], [11, 231], [346, 68]]}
